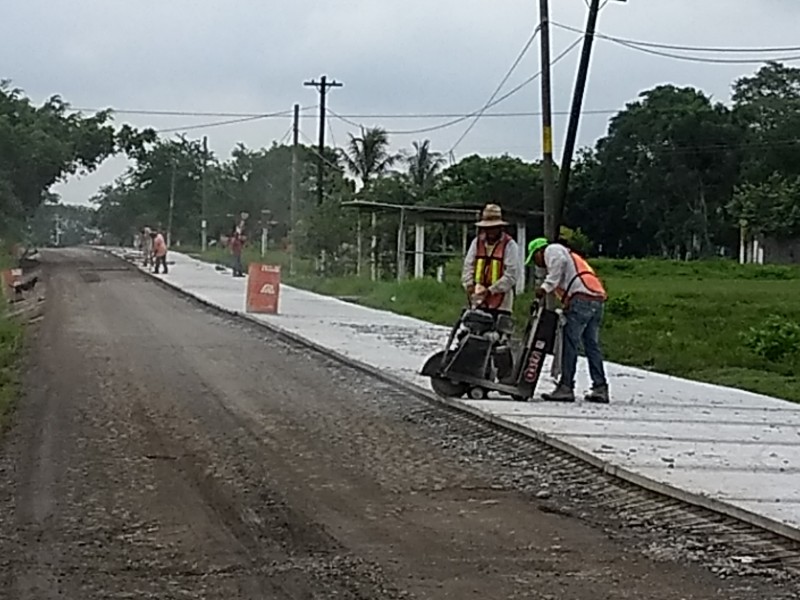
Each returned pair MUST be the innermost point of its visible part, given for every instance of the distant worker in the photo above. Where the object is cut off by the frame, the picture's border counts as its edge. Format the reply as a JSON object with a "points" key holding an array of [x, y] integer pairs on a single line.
{"points": [[583, 296], [492, 265], [160, 252], [147, 246], [237, 245]]}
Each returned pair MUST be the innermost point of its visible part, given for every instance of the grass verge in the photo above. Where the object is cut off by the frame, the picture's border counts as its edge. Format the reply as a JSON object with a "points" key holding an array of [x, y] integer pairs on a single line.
{"points": [[10, 346], [712, 321]]}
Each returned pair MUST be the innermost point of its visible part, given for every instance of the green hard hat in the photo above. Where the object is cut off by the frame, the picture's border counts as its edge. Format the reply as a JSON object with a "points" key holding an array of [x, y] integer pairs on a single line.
{"points": [[534, 246]]}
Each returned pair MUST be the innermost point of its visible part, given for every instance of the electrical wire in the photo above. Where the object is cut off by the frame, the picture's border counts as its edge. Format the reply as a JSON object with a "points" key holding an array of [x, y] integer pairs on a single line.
{"points": [[499, 87], [222, 123], [347, 118], [286, 135], [463, 118], [207, 125], [316, 153], [187, 113], [703, 49], [715, 61]]}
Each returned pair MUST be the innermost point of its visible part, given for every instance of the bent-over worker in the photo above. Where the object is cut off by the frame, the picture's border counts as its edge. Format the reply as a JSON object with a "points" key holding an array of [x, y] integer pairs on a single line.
{"points": [[583, 296]]}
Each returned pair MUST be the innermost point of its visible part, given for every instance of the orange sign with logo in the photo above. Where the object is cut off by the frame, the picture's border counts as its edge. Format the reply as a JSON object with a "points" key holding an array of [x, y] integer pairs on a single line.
{"points": [[10, 277], [263, 288]]}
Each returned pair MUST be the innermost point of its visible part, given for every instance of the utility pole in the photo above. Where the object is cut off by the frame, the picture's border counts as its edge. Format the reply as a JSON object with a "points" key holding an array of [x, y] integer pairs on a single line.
{"points": [[322, 85], [575, 112], [293, 200], [550, 225], [203, 222], [171, 205]]}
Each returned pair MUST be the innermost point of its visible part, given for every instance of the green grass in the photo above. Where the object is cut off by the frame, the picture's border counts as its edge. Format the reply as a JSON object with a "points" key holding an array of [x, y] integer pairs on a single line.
{"points": [[10, 344], [683, 319]]}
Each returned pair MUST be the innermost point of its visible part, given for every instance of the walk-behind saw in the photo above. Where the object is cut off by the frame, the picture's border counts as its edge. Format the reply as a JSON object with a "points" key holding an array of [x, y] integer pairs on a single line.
{"points": [[478, 357]]}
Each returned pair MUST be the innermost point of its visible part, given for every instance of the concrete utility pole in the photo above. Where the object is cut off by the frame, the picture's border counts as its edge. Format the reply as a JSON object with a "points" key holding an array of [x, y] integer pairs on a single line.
{"points": [[171, 205], [203, 221], [293, 200], [575, 112], [550, 207], [322, 85]]}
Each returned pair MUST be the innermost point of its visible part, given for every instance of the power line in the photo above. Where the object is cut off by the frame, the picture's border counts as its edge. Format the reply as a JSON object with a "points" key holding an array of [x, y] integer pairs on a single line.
{"points": [[187, 113], [316, 153], [208, 125], [499, 87], [462, 118], [222, 123], [715, 61], [641, 45], [399, 116]]}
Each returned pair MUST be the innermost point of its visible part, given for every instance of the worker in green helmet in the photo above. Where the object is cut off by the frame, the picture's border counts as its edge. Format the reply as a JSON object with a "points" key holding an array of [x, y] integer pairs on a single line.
{"points": [[583, 297]]}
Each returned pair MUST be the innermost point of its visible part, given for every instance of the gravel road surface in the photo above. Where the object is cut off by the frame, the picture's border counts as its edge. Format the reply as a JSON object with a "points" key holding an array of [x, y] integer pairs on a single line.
{"points": [[163, 451]]}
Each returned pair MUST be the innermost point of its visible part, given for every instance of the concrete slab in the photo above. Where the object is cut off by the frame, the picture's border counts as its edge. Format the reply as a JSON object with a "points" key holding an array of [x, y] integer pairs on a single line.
{"points": [[734, 446]]}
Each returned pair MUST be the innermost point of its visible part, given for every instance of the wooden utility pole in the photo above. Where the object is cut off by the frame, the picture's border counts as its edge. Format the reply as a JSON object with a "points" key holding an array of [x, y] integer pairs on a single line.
{"points": [[293, 200], [550, 225], [322, 85]]}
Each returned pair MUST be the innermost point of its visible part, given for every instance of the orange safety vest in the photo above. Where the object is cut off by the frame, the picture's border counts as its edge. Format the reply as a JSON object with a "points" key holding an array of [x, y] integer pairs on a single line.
{"points": [[588, 278], [490, 266]]}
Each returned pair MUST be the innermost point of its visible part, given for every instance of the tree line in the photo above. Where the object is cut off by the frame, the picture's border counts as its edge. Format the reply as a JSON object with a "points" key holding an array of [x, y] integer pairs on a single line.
{"points": [[676, 175]]}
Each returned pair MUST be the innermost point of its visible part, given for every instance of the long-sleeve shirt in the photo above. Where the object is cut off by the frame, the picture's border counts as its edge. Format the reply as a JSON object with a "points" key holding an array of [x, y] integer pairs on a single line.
{"points": [[508, 281], [561, 272], [160, 246]]}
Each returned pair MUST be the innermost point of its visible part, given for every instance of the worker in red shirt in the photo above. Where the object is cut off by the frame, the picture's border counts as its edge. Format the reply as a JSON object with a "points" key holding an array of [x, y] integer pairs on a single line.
{"points": [[160, 252], [237, 245]]}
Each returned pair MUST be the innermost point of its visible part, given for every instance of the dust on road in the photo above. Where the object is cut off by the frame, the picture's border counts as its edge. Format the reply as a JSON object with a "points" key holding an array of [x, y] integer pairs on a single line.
{"points": [[161, 451]]}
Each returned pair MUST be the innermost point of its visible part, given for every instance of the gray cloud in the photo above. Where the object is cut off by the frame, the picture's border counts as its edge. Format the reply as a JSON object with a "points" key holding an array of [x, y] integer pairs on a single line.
{"points": [[394, 56]]}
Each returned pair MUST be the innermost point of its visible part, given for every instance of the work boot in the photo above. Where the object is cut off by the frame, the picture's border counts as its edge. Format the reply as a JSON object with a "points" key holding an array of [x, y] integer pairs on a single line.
{"points": [[598, 395], [561, 394]]}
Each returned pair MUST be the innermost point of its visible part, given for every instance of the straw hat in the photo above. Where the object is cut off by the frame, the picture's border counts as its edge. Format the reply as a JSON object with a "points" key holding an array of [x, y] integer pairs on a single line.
{"points": [[492, 216]]}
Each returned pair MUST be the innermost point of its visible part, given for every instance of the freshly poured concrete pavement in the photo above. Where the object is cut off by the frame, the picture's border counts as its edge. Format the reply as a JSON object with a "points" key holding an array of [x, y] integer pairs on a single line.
{"points": [[729, 445]]}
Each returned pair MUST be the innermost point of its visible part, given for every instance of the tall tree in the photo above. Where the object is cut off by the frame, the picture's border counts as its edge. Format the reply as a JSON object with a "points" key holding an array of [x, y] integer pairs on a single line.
{"points": [[671, 157], [767, 108], [367, 156], [477, 180], [424, 166], [41, 145]]}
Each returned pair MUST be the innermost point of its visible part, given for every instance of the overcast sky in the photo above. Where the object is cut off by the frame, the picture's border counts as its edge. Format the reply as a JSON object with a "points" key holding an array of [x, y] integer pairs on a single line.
{"points": [[393, 56]]}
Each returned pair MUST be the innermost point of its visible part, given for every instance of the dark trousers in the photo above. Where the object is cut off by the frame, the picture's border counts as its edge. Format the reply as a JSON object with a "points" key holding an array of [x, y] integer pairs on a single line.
{"points": [[161, 261], [238, 269]]}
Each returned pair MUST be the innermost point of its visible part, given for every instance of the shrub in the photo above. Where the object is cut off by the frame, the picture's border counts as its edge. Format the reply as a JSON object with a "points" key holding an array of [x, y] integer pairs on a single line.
{"points": [[775, 339]]}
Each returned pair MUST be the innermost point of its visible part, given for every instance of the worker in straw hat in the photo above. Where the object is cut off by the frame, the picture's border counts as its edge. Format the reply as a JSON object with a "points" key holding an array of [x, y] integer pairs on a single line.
{"points": [[492, 265]]}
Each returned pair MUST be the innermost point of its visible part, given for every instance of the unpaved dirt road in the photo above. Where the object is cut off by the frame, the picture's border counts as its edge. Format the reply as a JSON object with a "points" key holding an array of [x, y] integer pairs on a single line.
{"points": [[162, 451]]}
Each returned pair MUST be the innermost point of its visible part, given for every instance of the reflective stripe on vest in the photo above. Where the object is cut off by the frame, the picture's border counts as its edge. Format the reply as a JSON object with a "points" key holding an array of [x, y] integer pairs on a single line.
{"points": [[490, 266], [588, 278]]}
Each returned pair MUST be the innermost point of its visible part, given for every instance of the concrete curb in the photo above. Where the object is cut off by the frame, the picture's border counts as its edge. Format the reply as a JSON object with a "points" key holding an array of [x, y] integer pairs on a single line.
{"points": [[663, 489]]}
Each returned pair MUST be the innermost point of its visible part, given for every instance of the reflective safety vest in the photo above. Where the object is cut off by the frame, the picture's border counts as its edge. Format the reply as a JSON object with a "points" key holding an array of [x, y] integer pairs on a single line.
{"points": [[490, 266], [585, 273]]}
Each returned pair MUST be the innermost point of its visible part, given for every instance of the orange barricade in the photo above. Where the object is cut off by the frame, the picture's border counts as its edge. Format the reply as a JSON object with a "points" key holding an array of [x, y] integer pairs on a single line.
{"points": [[10, 276], [263, 288]]}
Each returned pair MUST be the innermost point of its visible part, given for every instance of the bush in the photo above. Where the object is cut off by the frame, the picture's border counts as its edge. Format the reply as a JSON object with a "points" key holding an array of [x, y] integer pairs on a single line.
{"points": [[775, 339], [620, 306]]}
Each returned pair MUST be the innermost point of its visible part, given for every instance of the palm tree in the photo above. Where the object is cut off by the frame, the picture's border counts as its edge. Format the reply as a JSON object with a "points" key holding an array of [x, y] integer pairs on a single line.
{"points": [[368, 156], [423, 168]]}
